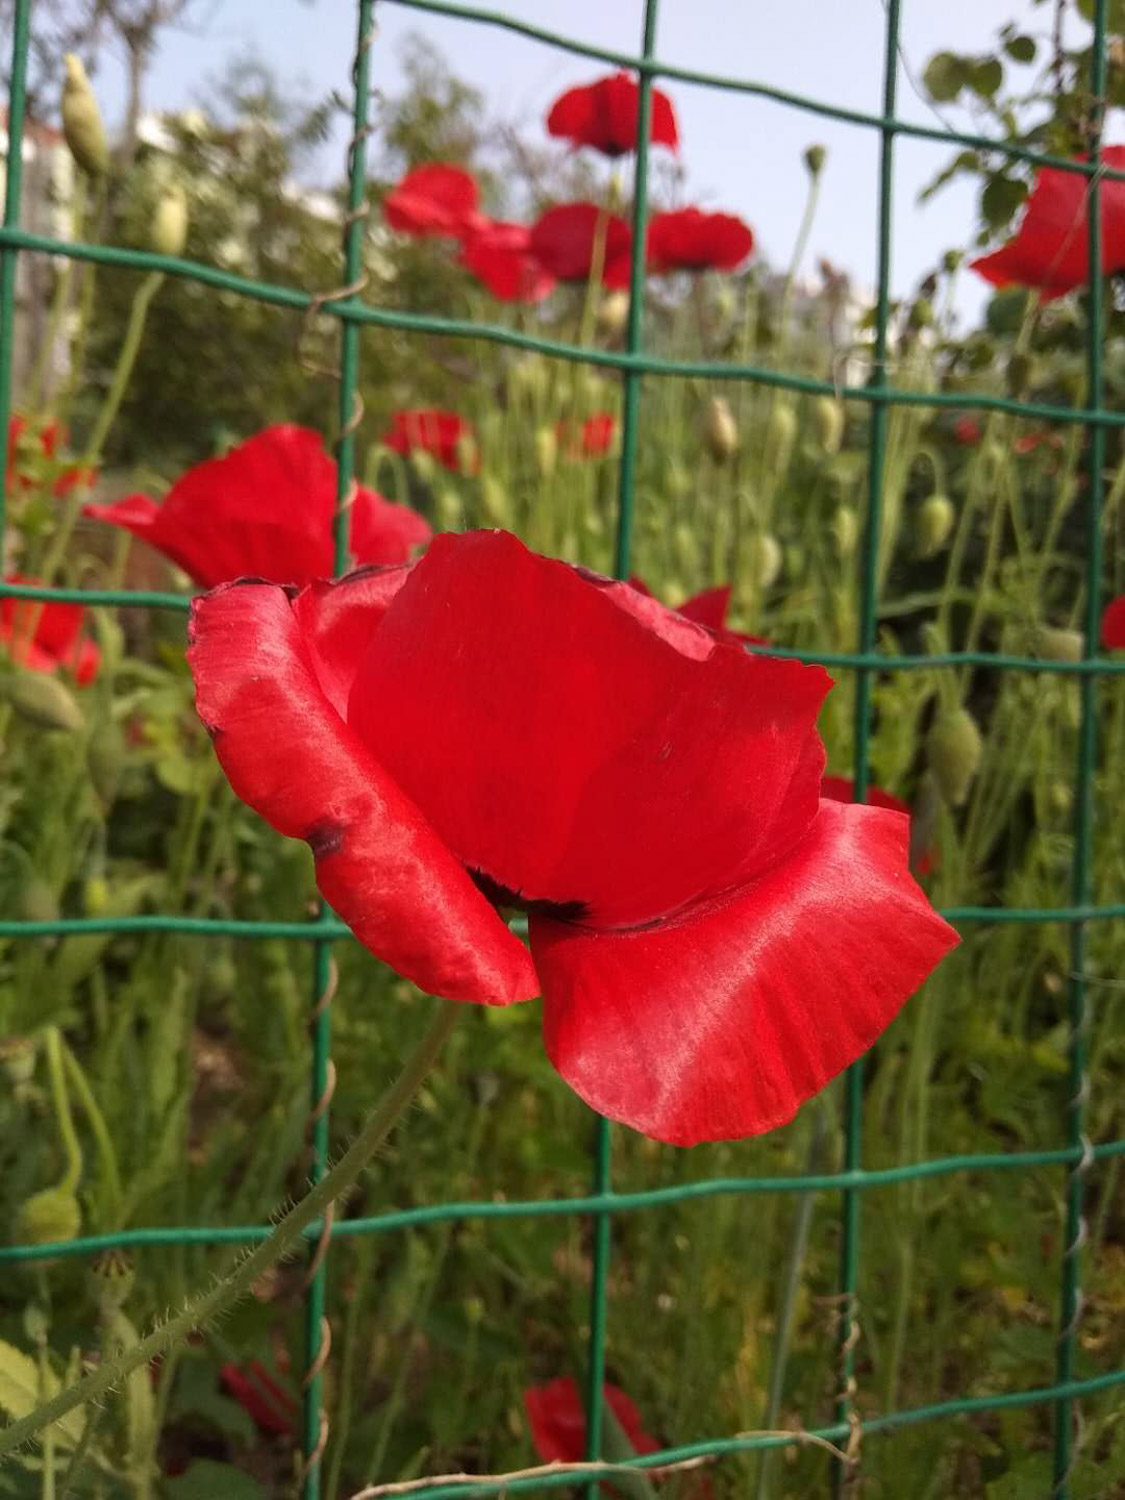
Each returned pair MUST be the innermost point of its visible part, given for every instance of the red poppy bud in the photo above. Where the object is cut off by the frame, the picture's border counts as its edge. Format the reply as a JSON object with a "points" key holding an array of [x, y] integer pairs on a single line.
{"points": [[954, 750]]}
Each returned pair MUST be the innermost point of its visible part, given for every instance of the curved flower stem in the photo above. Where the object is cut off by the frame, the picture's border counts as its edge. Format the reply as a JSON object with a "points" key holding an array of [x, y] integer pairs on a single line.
{"points": [[37, 386], [63, 1116], [138, 313], [285, 1238], [100, 1130]]}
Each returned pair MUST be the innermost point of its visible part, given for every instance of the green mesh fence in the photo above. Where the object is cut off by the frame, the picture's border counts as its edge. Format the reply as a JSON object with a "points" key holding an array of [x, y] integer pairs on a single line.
{"points": [[1074, 1156]]}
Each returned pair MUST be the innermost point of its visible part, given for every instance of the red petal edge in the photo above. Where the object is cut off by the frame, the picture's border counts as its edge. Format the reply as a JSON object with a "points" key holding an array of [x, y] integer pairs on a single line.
{"points": [[721, 1024], [379, 864]]}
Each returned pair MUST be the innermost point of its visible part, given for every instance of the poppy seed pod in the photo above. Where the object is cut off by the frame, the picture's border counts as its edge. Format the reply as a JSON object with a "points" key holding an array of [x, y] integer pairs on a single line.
{"points": [[828, 418], [168, 232], [112, 1276], [48, 1216], [44, 701], [614, 313], [546, 452], [82, 120], [954, 749], [933, 525], [720, 431]]}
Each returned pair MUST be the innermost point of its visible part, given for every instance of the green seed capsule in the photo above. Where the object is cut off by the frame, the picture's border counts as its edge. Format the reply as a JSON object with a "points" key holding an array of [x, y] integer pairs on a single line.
{"points": [[112, 1277], [954, 750], [48, 1216], [44, 701], [933, 525]]}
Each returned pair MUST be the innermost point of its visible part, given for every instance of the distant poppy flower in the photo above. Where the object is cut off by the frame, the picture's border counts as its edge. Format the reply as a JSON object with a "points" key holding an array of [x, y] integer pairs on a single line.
{"points": [[708, 609], [564, 240], [842, 789], [266, 509], [433, 200], [48, 439], [47, 637], [593, 439], [1050, 249], [557, 1418], [498, 253], [605, 114], [442, 434], [1028, 442], [967, 431], [269, 1403], [690, 240], [695, 987], [1113, 625]]}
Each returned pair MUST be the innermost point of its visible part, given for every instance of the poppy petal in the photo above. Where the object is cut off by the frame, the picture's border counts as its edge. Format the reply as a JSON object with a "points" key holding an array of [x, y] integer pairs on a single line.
{"points": [[708, 609], [721, 1023], [337, 619], [622, 783], [379, 863], [383, 532], [1113, 625]]}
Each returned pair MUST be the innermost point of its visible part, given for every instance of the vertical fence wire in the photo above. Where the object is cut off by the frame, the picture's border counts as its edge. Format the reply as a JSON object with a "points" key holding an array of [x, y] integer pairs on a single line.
{"points": [[848, 1330], [1070, 1299], [626, 498], [9, 255], [317, 1328]]}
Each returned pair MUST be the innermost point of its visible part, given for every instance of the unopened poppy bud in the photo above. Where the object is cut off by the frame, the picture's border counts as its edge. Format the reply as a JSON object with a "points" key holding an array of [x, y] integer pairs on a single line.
{"points": [[449, 509], [44, 701], [546, 452], [424, 464], [494, 502], [933, 525], [828, 417], [686, 548], [38, 901], [168, 234], [1060, 645], [48, 1216], [720, 431], [105, 756], [815, 157], [467, 453], [95, 895], [82, 120], [17, 1058], [112, 1277], [845, 530], [529, 376], [763, 559], [781, 429], [954, 750], [614, 314]]}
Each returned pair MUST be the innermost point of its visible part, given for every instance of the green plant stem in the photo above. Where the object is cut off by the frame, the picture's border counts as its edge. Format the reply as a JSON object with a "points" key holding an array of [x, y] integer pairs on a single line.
{"points": [[102, 1138], [85, 308], [36, 391], [63, 1117], [285, 1238], [127, 358]]}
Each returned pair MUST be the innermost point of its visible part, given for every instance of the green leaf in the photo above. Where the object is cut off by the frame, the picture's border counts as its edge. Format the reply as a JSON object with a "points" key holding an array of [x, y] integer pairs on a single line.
{"points": [[1020, 49], [206, 1480], [618, 1449], [1001, 198], [945, 76], [20, 1393], [1115, 14], [985, 76]]}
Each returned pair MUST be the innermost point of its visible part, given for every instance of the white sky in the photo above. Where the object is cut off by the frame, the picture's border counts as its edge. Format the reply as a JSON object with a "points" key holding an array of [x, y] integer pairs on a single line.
{"points": [[740, 153]]}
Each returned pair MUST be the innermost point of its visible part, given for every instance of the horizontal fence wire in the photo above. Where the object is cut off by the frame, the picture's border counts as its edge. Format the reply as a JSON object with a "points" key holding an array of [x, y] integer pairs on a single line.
{"points": [[632, 363]]}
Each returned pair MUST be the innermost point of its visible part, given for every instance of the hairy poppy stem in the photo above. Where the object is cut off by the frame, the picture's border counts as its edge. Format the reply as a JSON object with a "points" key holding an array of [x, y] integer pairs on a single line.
{"points": [[284, 1239]]}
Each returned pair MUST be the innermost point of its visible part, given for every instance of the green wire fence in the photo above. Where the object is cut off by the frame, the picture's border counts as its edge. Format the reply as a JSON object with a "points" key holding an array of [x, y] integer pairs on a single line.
{"points": [[1075, 1156]]}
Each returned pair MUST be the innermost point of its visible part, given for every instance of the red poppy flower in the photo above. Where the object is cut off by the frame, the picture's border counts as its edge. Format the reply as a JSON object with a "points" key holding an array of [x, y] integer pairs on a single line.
{"points": [[45, 637], [708, 609], [593, 439], [967, 431], [564, 239], [1113, 625], [691, 240], [1050, 248], [842, 789], [604, 115], [432, 200], [442, 434], [50, 437], [712, 941], [498, 253], [265, 509], [273, 1408], [557, 1418]]}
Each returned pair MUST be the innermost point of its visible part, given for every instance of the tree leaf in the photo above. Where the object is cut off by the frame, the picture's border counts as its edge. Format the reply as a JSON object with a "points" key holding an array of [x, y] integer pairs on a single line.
{"points": [[985, 76], [1020, 49], [1001, 197], [945, 77]]}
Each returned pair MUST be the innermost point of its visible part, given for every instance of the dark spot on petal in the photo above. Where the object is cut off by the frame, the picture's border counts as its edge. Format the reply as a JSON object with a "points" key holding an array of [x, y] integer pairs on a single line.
{"points": [[501, 895], [325, 839]]}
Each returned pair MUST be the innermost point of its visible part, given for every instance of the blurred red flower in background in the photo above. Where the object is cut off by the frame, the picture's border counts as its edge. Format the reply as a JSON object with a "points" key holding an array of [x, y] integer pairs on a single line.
{"points": [[442, 434], [695, 988], [1113, 625], [48, 440], [967, 430], [47, 637], [565, 238], [265, 510], [593, 439], [1050, 248], [498, 253], [273, 1407], [688, 239], [433, 200], [604, 115]]}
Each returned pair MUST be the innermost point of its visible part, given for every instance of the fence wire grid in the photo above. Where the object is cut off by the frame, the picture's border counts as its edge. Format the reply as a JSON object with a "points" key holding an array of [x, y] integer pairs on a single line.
{"points": [[1075, 1155]]}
